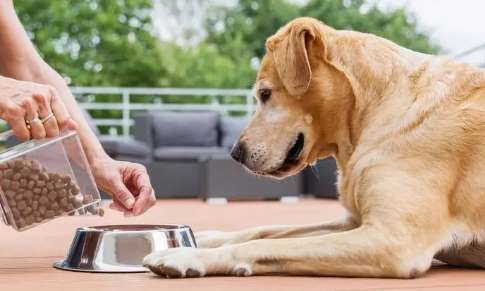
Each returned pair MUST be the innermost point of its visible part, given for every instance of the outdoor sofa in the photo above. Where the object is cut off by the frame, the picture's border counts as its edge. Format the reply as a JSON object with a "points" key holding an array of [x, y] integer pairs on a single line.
{"points": [[190, 158]]}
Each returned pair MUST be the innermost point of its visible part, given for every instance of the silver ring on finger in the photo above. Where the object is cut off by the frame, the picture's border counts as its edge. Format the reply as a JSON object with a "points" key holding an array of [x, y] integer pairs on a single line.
{"points": [[45, 119], [34, 120]]}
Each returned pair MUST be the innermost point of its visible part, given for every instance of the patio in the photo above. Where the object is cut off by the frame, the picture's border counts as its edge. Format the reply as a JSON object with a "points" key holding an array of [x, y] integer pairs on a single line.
{"points": [[26, 258]]}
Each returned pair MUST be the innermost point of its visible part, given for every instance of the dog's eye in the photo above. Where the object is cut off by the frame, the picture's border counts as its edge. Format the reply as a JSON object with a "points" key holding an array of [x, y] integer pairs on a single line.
{"points": [[264, 94]]}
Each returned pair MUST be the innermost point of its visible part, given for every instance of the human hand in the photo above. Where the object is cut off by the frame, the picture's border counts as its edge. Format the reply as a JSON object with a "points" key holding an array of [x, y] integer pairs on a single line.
{"points": [[128, 184], [33, 110]]}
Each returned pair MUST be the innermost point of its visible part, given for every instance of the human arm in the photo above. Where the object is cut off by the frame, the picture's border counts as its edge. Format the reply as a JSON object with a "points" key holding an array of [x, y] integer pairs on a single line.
{"points": [[128, 183]]}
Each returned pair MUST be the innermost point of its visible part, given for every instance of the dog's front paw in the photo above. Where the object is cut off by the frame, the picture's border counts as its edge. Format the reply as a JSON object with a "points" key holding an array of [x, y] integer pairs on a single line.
{"points": [[176, 263], [192, 262]]}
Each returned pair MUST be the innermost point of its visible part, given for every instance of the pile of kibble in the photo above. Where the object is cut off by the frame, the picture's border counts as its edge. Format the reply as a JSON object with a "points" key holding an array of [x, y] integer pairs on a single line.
{"points": [[33, 194]]}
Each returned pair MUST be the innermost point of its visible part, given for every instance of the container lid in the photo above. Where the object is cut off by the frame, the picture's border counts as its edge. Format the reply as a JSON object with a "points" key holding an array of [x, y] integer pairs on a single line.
{"points": [[32, 145]]}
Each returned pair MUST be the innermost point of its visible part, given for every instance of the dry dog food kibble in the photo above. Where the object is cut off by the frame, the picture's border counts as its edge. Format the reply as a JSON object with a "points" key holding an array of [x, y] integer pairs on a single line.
{"points": [[33, 194]]}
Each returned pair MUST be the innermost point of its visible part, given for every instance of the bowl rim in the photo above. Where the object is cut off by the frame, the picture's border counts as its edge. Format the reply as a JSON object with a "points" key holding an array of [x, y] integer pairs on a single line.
{"points": [[120, 228]]}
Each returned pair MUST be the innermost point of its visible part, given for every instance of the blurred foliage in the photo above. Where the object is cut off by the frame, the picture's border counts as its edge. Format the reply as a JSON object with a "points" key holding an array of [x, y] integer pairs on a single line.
{"points": [[114, 43], [204, 66], [398, 25], [251, 22], [96, 42]]}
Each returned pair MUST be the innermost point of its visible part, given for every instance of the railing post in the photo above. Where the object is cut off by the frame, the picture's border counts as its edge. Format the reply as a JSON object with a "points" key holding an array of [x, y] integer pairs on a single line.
{"points": [[126, 113], [249, 104]]}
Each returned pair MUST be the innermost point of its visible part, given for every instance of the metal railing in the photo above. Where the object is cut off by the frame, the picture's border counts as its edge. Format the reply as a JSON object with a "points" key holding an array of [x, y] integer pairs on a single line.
{"points": [[470, 51], [473, 51], [211, 99]]}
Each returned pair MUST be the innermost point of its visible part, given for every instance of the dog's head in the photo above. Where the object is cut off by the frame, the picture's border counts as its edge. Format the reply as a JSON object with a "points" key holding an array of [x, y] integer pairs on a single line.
{"points": [[297, 94]]}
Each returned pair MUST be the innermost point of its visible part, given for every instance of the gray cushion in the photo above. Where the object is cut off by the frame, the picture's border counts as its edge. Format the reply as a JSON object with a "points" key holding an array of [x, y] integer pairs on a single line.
{"points": [[186, 153], [115, 145], [185, 129], [231, 128]]}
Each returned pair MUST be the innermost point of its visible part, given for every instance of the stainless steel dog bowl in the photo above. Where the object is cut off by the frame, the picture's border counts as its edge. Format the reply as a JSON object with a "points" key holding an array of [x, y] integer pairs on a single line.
{"points": [[121, 248]]}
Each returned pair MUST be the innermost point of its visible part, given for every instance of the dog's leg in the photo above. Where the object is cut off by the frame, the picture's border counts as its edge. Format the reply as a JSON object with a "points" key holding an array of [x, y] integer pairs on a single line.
{"points": [[403, 224], [212, 239], [366, 251]]}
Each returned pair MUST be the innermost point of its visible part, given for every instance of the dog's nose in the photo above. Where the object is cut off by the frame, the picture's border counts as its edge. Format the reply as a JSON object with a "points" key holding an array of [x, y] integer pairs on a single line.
{"points": [[238, 151]]}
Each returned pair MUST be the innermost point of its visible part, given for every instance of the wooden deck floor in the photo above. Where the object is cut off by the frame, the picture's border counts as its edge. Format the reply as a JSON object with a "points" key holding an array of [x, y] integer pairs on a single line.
{"points": [[26, 258]]}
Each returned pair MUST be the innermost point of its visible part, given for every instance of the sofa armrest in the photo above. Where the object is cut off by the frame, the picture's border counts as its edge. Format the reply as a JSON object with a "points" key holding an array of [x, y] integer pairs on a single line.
{"points": [[143, 128], [116, 146]]}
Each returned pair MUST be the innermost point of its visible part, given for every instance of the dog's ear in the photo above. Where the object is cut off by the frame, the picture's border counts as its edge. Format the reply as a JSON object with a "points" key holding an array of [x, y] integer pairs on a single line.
{"points": [[290, 50]]}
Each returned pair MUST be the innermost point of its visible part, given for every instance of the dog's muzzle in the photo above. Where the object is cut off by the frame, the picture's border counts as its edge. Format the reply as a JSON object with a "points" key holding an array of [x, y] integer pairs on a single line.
{"points": [[295, 150]]}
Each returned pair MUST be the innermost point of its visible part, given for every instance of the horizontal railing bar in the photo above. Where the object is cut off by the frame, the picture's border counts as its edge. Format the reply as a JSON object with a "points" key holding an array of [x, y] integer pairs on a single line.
{"points": [[160, 91], [112, 121], [470, 51], [102, 106], [162, 106]]}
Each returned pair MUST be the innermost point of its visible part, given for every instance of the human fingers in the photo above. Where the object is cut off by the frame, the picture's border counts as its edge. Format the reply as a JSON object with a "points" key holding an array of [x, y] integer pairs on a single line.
{"points": [[33, 122], [63, 117], [146, 197], [14, 115], [121, 193]]}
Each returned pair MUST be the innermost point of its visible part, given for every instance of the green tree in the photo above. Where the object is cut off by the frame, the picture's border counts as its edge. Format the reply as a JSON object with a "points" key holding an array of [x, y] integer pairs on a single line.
{"points": [[96, 42], [253, 21], [249, 22], [203, 66], [398, 25], [113, 42]]}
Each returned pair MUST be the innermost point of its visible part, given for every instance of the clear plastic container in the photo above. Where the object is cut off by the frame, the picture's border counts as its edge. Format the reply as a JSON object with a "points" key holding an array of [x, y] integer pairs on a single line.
{"points": [[44, 179]]}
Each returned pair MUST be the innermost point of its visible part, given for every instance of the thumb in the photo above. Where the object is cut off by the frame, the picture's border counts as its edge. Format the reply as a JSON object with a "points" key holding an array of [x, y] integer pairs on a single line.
{"points": [[122, 194], [71, 124]]}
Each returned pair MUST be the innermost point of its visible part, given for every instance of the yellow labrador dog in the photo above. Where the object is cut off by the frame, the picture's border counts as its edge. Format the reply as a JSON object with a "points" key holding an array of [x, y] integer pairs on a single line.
{"points": [[408, 133]]}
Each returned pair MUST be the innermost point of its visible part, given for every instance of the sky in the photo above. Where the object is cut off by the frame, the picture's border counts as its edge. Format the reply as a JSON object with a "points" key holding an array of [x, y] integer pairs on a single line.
{"points": [[456, 25]]}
